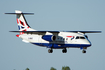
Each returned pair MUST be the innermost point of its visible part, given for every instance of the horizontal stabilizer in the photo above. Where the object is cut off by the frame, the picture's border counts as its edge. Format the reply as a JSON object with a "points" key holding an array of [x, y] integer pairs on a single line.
{"points": [[21, 13]]}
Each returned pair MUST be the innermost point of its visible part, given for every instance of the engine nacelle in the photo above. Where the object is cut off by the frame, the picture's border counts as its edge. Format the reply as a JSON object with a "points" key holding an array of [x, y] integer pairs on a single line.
{"points": [[49, 37]]}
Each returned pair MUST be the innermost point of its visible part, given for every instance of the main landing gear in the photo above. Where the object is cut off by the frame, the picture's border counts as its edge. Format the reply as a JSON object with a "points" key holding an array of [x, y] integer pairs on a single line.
{"points": [[63, 51], [50, 50]]}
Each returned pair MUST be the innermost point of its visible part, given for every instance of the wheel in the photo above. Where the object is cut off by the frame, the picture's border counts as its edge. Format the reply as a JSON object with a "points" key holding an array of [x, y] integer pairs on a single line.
{"points": [[83, 51], [50, 50], [64, 50]]}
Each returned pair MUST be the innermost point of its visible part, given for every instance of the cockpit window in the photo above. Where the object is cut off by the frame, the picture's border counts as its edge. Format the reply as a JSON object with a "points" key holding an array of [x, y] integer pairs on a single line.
{"points": [[77, 37], [80, 37]]}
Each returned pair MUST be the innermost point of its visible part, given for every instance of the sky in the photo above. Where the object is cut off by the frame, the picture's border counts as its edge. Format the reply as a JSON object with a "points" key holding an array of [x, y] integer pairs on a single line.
{"points": [[59, 15]]}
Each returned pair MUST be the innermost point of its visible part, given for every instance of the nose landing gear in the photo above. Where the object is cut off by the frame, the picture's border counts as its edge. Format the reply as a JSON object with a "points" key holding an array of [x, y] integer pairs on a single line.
{"points": [[83, 51]]}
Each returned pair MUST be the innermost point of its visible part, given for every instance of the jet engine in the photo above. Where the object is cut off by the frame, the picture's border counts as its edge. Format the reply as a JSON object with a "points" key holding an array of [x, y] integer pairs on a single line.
{"points": [[49, 37]]}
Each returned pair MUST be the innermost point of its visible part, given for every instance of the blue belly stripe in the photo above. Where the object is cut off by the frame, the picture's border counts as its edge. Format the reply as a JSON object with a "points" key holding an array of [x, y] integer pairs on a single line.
{"points": [[48, 45]]}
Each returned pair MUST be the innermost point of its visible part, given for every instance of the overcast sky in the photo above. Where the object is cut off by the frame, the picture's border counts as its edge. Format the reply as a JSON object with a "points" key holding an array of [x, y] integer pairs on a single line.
{"points": [[62, 15]]}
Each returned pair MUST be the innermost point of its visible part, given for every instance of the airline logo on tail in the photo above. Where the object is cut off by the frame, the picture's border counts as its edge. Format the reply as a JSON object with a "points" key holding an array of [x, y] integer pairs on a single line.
{"points": [[21, 21], [22, 25]]}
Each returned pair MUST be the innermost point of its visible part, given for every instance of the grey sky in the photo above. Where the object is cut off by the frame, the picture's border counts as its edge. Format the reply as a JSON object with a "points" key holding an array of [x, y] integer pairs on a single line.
{"points": [[63, 15]]}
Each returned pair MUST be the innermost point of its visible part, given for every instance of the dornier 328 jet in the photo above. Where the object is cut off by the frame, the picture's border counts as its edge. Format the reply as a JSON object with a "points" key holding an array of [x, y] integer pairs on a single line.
{"points": [[51, 39]]}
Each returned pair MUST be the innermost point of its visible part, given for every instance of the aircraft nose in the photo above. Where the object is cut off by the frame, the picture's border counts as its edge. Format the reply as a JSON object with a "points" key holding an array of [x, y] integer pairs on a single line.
{"points": [[88, 43]]}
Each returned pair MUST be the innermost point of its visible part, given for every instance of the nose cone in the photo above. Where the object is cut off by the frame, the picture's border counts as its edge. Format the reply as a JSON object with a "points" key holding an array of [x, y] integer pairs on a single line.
{"points": [[86, 42]]}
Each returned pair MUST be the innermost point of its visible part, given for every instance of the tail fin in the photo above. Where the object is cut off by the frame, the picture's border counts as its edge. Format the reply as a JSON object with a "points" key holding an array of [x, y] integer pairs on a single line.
{"points": [[21, 21]]}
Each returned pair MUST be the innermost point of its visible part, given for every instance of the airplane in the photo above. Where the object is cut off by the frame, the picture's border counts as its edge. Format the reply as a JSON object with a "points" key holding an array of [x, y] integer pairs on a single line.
{"points": [[51, 39]]}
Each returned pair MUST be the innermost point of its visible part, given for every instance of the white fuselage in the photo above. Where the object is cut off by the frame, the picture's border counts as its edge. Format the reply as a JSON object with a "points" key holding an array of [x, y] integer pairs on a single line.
{"points": [[63, 39]]}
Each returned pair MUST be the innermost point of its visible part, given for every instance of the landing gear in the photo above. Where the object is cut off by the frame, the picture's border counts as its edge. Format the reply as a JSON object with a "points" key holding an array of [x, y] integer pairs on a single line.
{"points": [[84, 51], [64, 50], [50, 50]]}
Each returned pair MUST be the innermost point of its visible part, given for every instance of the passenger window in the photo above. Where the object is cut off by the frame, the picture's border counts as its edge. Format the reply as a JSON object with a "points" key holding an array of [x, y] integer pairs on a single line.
{"points": [[63, 39]]}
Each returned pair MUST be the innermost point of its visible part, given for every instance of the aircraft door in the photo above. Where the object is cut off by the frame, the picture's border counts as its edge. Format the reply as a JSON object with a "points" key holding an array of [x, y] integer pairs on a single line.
{"points": [[40, 39], [35, 38], [68, 40], [72, 39]]}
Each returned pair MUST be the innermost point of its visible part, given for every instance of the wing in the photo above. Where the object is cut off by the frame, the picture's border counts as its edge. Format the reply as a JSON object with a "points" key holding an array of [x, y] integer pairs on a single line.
{"points": [[37, 32], [54, 32], [85, 31]]}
